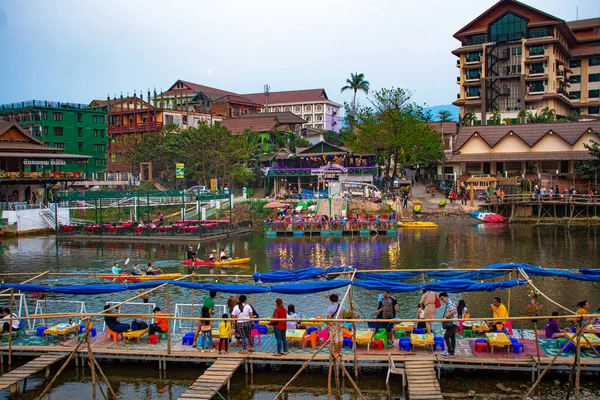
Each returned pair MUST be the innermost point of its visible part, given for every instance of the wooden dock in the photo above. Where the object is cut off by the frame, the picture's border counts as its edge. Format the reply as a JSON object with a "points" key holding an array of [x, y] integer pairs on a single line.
{"points": [[13, 378], [213, 379], [422, 382]]}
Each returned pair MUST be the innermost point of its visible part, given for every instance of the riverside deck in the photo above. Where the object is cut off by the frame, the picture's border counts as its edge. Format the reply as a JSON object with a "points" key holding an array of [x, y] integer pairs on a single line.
{"points": [[213, 379], [13, 378]]}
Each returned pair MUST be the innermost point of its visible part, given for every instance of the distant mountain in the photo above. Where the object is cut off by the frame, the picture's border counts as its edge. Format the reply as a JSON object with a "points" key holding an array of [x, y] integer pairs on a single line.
{"points": [[454, 110]]}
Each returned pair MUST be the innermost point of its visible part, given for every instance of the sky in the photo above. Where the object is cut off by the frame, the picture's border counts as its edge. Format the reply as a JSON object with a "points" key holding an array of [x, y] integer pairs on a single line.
{"points": [[80, 50]]}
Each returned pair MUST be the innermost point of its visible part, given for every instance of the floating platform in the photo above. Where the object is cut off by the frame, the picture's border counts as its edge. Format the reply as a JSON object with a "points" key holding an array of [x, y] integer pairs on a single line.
{"points": [[335, 233]]}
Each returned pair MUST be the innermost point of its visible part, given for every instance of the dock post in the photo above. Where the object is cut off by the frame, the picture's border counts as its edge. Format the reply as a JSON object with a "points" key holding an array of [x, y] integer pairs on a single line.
{"points": [[168, 320], [246, 367]]}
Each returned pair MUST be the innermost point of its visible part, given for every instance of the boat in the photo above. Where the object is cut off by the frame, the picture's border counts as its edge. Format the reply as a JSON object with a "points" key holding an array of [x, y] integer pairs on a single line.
{"points": [[201, 263], [488, 217], [417, 225], [233, 261], [139, 278], [197, 263]]}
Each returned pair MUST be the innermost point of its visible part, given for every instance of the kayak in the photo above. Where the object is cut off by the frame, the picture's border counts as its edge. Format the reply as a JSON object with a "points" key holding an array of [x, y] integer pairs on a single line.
{"points": [[417, 225], [197, 263], [234, 261], [488, 217], [139, 278]]}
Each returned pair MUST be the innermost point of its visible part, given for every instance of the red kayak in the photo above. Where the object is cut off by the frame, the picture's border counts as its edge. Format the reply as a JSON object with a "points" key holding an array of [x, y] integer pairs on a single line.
{"points": [[199, 263]]}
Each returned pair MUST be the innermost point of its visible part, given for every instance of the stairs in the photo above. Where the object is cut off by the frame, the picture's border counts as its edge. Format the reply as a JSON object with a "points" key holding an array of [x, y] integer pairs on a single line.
{"points": [[422, 382], [48, 215]]}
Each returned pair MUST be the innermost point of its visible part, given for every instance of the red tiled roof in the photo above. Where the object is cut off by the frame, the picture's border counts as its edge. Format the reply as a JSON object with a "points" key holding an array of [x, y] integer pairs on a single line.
{"points": [[571, 132], [211, 92], [288, 97], [444, 127], [284, 117], [240, 125], [537, 156], [6, 125]]}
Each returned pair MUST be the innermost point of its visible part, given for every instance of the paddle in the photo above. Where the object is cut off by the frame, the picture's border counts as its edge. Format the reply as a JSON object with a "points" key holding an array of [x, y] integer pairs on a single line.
{"points": [[126, 261]]}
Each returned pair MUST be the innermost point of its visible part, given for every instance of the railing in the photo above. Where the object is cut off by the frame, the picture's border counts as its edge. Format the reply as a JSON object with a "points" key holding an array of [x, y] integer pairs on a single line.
{"points": [[367, 170], [155, 194], [47, 103], [138, 127], [18, 205], [331, 225], [540, 198]]}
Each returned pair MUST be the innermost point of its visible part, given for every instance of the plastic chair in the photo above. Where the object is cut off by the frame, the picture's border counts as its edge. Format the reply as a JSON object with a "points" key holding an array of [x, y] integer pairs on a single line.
{"points": [[188, 339], [467, 332], [93, 332], [439, 342], [560, 342], [377, 344], [508, 327], [114, 335], [382, 335], [482, 346], [400, 334], [323, 335], [405, 344], [263, 330], [346, 334], [313, 339], [569, 348], [518, 347], [40, 330], [254, 334], [347, 343], [163, 335]]}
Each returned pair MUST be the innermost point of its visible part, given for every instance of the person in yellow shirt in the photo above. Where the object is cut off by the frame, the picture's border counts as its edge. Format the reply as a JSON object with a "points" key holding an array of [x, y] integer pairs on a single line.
{"points": [[498, 311], [583, 308], [224, 333]]}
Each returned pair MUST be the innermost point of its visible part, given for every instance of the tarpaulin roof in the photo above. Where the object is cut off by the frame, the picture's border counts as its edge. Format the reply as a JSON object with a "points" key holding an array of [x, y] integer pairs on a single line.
{"points": [[289, 276]]}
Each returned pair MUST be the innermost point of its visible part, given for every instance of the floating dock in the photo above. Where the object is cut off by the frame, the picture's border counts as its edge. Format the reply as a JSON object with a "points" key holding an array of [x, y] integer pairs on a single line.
{"points": [[13, 378]]}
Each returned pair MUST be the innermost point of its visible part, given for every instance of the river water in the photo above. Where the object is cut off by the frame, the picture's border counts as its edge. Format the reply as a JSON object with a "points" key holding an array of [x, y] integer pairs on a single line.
{"points": [[456, 244]]}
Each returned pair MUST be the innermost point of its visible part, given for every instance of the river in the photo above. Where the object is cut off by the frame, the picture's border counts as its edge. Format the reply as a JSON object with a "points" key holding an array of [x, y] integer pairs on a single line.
{"points": [[458, 243]]}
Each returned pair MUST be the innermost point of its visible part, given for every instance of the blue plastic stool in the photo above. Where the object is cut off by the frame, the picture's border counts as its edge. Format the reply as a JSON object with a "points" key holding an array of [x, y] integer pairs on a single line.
{"points": [[438, 342], [419, 331], [569, 348], [40, 330], [311, 329], [93, 332], [188, 339], [347, 343], [481, 341], [404, 344], [518, 347]]}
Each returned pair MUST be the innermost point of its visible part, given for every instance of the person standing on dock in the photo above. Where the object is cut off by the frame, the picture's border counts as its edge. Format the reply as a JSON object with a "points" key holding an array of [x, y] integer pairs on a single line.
{"points": [[242, 316], [429, 301], [387, 309], [279, 328], [209, 302], [500, 313], [449, 326], [335, 311]]}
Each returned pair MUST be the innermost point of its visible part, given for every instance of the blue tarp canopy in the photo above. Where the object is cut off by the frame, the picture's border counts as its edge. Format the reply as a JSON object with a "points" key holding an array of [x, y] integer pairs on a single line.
{"points": [[310, 287], [397, 287], [289, 276], [465, 285]]}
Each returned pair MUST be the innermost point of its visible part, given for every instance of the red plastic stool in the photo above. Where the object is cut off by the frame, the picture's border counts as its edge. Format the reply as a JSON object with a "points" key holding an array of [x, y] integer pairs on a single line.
{"points": [[377, 344], [152, 339], [481, 346]]}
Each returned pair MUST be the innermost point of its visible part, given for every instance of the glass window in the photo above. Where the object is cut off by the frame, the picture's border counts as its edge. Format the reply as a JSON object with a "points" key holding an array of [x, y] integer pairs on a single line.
{"points": [[308, 108], [575, 79], [517, 51], [79, 117], [57, 116], [575, 94], [297, 109], [593, 78], [473, 73], [536, 50], [594, 110], [473, 91], [80, 147], [59, 145], [540, 32], [58, 131], [319, 108], [574, 63], [472, 56], [276, 109], [537, 86], [593, 61], [287, 109], [594, 94], [95, 119], [45, 115], [507, 28], [537, 68], [80, 132], [473, 168], [45, 130], [479, 39]]}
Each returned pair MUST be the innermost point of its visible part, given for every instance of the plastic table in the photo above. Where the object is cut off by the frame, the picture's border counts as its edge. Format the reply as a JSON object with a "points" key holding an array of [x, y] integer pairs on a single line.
{"points": [[498, 339]]}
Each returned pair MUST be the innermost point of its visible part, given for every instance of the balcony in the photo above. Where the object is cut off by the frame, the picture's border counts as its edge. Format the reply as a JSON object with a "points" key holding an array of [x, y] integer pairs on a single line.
{"points": [[458, 62], [536, 71], [458, 79], [536, 53], [139, 127]]}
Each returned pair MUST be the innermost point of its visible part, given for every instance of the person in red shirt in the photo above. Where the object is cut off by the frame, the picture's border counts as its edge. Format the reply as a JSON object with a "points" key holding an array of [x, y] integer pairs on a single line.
{"points": [[279, 327], [453, 197], [161, 324]]}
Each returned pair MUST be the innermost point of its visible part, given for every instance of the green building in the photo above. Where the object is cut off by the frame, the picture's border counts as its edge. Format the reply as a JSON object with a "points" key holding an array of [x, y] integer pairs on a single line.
{"points": [[71, 127]]}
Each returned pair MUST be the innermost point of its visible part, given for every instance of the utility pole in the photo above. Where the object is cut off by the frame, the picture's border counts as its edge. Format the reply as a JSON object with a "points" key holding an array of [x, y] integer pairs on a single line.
{"points": [[267, 92]]}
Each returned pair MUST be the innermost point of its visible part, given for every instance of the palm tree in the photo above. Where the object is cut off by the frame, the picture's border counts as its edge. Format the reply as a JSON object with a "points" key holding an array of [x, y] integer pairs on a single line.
{"points": [[355, 83], [469, 119], [507, 121], [444, 116], [496, 118]]}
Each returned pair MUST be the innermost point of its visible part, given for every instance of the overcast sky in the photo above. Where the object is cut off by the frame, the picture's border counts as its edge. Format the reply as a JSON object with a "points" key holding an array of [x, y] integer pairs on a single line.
{"points": [[79, 50]]}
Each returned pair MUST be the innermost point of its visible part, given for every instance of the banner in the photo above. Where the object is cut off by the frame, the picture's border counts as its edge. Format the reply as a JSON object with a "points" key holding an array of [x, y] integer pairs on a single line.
{"points": [[213, 185], [179, 171]]}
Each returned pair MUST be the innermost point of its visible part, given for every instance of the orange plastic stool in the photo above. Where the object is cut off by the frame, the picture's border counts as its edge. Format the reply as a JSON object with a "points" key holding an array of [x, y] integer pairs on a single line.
{"points": [[114, 335]]}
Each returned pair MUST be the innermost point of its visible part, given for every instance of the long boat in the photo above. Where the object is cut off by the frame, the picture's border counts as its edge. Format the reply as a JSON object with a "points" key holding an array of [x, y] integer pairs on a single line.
{"points": [[200, 263], [417, 225], [139, 278], [488, 217]]}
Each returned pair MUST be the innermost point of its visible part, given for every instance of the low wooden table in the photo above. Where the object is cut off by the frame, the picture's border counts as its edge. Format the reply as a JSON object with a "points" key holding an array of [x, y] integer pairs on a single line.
{"points": [[498, 339], [404, 326], [135, 335], [363, 337], [295, 335], [62, 329], [421, 339], [593, 340]]}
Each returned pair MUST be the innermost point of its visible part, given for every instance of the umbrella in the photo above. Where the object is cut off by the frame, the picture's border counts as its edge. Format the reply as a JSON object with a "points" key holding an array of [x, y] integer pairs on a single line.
{"points": [[275, 204]]}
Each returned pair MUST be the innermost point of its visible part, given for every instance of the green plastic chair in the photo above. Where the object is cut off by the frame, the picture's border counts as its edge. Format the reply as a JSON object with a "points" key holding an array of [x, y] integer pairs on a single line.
{"points": [[163, 335], [399, 334], [382, 335], [468, 332], [560, 342]]}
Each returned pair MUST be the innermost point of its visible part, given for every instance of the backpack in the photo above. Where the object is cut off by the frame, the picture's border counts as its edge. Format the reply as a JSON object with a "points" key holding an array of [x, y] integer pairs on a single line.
{"points": [[138, 326]]}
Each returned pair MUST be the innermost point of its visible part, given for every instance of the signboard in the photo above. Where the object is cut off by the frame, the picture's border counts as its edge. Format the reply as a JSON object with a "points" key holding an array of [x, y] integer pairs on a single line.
{"points": [[331, 172], [179, 170], [213, 185], [52, 161]]}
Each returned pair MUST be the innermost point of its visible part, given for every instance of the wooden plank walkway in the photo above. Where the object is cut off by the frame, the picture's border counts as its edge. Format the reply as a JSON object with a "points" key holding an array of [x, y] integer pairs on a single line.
{"points": [[213, 379], [13, 378], [422, 382]]}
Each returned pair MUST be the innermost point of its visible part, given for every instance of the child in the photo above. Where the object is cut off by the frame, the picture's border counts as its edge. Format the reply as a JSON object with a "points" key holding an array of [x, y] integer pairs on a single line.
{"points": [[421, 315], [224, 333], [205, 326]]}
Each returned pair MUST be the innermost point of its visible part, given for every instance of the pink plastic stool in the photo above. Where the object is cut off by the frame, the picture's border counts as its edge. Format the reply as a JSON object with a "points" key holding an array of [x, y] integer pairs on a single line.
{"points": [[153, 339], [254, 333], [377, 344]]}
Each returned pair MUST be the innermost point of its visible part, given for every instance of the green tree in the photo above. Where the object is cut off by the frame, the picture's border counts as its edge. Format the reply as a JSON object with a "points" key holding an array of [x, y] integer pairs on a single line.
{"points": [[496, 118], [394, 129], [469, 119], [544, 116], [444, 116], [590, 168], [355, 83]]}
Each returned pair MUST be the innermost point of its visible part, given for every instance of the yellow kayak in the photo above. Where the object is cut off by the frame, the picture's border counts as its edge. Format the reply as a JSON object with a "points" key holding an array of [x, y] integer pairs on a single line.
{"points": [[140, 278], [417, 225], [235, 261]]}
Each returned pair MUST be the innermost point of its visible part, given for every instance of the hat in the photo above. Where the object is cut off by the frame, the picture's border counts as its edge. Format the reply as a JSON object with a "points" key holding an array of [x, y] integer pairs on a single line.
{"points": [[214, 251]]}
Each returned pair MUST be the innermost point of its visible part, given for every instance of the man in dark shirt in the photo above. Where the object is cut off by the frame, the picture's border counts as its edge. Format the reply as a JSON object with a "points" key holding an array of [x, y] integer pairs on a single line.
{"points": [[113, 322], [387, 309], [190, 253]]}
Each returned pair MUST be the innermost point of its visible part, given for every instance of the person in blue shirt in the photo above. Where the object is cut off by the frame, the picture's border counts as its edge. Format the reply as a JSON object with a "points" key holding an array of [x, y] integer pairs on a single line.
{"points": [[116, 269], [136, 270]]}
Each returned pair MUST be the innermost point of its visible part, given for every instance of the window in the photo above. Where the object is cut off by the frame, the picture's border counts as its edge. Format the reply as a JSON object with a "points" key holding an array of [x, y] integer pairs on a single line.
{"points": [[308, 108], [101, 119], [58, 131], [479, 39], [80, 132], [308, 118], [100, 162], [537, 68], [575, 94], [517, 51], [99, 147], [184, 121], [575, 79], [95, 119], [287, 109], [473, 91], [168, 119], [473, 168], [277, 109], [507, 28], [594, 110], [537, 86], [45, 114], [79, 117], [574, 63], [593, 61], [473, 74], [319, 108], [540, 32], [536, 50], [59, 146], [448, 170], [593, 78], [515, 69], [297, 109], [95, 132], [472, 56], [594, 94], [319, 117], [46, 130], [57, 116], [80, 147]]}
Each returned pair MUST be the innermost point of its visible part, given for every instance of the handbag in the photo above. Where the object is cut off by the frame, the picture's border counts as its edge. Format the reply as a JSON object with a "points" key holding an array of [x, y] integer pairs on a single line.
{"points": [[447, 324], [438, 303]]}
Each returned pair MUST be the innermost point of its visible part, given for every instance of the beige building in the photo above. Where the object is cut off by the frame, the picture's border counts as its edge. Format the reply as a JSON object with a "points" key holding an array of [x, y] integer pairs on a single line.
{"points": [[514, 57]]}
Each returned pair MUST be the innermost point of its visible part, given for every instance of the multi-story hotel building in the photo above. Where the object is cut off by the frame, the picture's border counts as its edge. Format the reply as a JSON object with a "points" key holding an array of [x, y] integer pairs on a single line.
{"points": [[312, 105], [514, 57]]}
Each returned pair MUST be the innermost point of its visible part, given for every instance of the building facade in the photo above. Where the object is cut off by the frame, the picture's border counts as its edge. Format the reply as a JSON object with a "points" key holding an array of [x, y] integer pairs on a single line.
{"points": [[311, 105], [72, 128], [514, 57]]}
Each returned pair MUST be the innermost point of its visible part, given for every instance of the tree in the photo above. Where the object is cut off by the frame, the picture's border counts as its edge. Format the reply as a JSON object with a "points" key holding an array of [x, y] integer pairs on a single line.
{"points": [[444, 116], [590, 168], [469, 119], [355, 83], [507, 121], [546, 115], [496, 118], [394, 129]]}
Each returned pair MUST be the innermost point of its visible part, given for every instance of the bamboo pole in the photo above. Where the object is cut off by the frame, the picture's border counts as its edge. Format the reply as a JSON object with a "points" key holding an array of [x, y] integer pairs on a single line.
{"points": [[168, 299], [27, 281], [578, 373], [10, 327], [93, 368], [345, 371], [93, 372], [508, 295], [351, 302], [530, 283], [192, 312], [329, 376]]}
